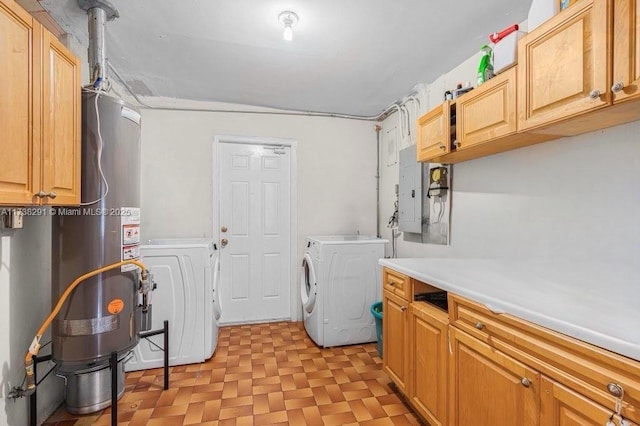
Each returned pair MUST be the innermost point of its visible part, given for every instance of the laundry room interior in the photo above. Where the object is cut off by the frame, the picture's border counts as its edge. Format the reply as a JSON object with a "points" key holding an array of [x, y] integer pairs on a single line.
{"points": [[298, 212]]}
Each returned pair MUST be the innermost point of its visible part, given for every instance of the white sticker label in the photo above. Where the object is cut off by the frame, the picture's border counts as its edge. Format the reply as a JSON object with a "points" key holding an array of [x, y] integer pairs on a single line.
{"points": [[129, 236], [130, 114], [130, 252]]}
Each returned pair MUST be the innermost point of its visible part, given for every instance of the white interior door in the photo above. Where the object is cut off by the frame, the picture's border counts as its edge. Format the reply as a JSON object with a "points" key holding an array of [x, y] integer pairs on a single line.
{"points": [[255, 232]]}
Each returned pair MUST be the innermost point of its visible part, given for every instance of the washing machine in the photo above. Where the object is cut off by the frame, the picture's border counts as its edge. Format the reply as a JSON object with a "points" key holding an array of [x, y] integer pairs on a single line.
{"points": [[339, 281], [186, 274]]}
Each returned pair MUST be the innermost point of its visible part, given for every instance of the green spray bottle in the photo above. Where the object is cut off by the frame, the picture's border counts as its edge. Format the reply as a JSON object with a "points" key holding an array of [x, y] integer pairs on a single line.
{"points": [[485, 68]]}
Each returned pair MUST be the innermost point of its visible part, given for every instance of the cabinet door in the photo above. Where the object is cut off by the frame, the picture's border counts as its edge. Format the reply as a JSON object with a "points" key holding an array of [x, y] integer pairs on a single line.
{"points": [[429, 362], [488, 387], [61, 123], [18, 178], [488, 112], [626, 50], [434, 136], [561, 406], [564, 66], [395, 339]]}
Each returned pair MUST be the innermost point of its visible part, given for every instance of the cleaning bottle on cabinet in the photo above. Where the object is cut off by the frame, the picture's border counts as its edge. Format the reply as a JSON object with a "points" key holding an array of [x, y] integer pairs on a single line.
{"points": [[485, 68]]}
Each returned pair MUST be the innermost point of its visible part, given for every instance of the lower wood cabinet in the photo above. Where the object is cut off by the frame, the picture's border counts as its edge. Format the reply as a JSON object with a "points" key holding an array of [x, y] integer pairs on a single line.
{"points": [[561, 406], [469, 366], [395, 325], [489, 388], [429, 361]]}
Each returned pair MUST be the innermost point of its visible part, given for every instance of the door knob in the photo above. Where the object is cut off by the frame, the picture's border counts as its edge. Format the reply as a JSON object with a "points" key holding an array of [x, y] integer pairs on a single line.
{"points": [[224, 242], [223, 229], [617, 87], [595, 94], [525, 382], [52, 194]]}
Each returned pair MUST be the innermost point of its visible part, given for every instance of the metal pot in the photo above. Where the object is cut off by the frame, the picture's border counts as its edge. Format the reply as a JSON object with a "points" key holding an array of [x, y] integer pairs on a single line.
{"points": [[88, 391]]}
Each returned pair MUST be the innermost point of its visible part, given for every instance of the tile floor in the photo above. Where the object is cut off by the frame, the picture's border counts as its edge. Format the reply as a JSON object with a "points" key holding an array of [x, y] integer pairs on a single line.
{"points": [[264, 374]]}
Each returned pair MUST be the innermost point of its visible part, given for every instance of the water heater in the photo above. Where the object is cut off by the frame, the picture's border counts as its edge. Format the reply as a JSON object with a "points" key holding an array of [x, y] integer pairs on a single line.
{"points": [[100, 316]]}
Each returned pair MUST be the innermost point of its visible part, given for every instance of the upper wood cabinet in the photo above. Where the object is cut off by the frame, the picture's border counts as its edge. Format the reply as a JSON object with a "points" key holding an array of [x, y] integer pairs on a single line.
{"points": [[626, 50], [39, 114], [577, 72], [434, 132], [487, 120], [488, 112], [17, 107], [564, 66], [61, 125]]}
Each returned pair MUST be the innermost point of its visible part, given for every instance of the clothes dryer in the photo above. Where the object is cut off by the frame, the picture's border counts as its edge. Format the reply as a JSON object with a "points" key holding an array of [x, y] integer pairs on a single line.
{"points": [[186, 274], [339, 281]]}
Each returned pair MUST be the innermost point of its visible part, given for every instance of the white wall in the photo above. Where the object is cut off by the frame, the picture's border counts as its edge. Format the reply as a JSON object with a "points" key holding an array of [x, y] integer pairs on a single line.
{"points": [[25, 300], [573, 197], [336, 168]]}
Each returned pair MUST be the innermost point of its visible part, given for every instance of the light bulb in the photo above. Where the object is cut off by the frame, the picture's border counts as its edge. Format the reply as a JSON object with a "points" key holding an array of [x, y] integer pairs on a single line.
{"points": [[288, 19], [288, 32]]}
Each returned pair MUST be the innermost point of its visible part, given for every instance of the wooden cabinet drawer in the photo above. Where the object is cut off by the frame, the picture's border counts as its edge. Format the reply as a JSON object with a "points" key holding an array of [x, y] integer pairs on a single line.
{"points": [[397, 283], [579, 366]]}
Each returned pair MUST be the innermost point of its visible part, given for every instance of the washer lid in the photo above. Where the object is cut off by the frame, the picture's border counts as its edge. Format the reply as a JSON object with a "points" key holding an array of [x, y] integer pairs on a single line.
{"points": [[347, 239]]}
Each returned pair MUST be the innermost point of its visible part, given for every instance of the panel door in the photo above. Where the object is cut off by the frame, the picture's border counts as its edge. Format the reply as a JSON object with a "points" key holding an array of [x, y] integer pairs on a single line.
{"points": [[434, 133], [60, 123], [395, 335], [561, 406], [18, 178], [564, 65], [488, 112], [489, 388], [255, 220], [626, 50], [429, 362]]}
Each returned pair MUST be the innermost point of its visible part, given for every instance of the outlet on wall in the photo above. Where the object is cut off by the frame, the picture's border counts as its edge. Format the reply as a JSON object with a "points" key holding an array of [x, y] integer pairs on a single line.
{"points": [[12, 218]]}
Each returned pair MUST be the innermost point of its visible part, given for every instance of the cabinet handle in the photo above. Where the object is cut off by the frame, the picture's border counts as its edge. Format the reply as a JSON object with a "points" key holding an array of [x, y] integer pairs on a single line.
{"points": [[52, 195], [525, 382], [442, 147], [617, 87], [615, 390], [40, 194], [403, 308], [595, 94], [479, 325]]}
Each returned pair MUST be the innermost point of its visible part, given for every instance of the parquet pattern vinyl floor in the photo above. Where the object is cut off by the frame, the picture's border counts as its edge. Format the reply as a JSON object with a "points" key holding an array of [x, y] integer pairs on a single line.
{"points": [[264, 374]]}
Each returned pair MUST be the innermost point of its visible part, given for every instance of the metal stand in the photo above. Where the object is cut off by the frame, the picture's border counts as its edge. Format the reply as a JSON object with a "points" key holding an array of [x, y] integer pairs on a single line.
{"points": [[33, 399], [165, 331], [113, 363]]}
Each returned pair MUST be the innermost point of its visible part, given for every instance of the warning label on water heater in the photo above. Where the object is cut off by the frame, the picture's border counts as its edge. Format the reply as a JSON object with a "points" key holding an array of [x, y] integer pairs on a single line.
{"points": [[130, 236]]}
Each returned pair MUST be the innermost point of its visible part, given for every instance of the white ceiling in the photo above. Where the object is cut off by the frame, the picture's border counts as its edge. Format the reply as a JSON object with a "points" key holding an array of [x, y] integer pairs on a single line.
{"points": [[347, 56]]}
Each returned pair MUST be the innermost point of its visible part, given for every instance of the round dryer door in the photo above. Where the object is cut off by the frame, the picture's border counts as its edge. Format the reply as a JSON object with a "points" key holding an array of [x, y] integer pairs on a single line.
{"points": [[217, 310], [308, 288]]}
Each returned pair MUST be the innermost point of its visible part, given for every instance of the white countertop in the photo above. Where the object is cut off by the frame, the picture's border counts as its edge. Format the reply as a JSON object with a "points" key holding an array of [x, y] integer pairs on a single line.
{"points": [[594, 302]]}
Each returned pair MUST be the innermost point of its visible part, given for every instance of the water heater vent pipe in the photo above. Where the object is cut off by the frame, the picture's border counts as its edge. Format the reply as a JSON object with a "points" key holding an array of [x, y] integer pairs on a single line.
{"points": [[99, 11]]}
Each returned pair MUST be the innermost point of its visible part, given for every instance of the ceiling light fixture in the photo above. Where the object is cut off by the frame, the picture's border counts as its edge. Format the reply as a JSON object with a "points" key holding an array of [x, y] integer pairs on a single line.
{"points": [[289, 20]]}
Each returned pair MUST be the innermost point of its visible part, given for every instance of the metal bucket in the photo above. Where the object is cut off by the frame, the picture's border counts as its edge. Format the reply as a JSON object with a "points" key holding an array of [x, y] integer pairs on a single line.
{"points": [[88, 391]]}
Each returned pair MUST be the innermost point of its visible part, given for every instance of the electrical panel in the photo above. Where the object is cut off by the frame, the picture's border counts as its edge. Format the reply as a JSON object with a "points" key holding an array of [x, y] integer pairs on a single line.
{"points": [[413, 177]]}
